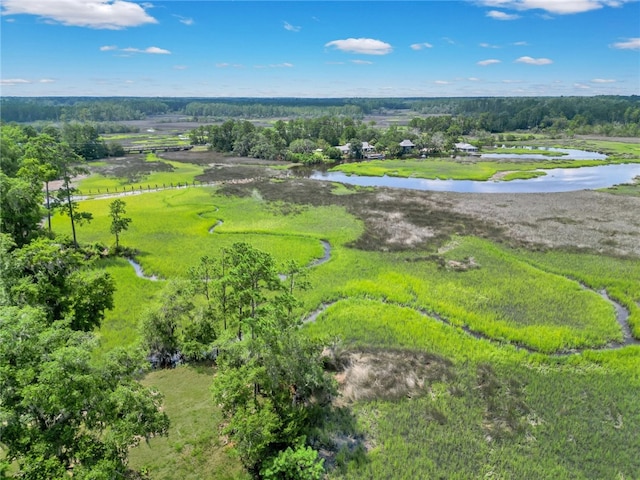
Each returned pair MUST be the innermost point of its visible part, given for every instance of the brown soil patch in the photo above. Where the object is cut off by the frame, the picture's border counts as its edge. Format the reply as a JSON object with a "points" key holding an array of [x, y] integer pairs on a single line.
{"points": [[398, 219], [389, 374], [133, 167]]}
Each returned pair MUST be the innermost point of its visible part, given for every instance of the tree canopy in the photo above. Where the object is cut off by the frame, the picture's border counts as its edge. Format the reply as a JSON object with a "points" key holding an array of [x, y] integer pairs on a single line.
{"points": [[62, 413]]}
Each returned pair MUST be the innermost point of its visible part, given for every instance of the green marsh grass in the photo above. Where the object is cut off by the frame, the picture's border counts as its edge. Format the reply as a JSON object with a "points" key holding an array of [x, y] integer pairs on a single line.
{"points": [[548, 416], [522, 175], [505, 298], [171, 229], [133, 295], [620, 277], [447, 169]]}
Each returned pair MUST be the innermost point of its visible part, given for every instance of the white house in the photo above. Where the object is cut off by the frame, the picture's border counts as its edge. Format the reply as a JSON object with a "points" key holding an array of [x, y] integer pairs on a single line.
{"points": [[465, 147], [367, 149]]}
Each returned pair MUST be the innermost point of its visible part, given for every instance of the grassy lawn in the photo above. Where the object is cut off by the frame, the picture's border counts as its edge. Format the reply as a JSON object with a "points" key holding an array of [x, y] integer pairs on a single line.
{"points": [[192, 449]]}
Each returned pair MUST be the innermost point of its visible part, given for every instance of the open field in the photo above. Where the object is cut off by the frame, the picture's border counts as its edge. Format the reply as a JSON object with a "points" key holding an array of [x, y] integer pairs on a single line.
{"points": [[475, 329]]}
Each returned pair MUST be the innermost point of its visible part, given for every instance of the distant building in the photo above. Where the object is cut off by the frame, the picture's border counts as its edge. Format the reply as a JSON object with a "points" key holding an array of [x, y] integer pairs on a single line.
{"points": [[366, 148], [368, 151], [407, 145], [344, 149], [465, 148]]}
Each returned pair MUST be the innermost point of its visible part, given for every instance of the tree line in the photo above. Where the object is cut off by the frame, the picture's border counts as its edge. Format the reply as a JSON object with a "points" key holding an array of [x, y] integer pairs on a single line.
{"points": [[496, 114], [314, 140]]}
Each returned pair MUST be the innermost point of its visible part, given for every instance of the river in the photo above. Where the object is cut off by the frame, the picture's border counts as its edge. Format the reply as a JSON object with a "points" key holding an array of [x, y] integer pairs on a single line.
{"points": [[555, 180]]}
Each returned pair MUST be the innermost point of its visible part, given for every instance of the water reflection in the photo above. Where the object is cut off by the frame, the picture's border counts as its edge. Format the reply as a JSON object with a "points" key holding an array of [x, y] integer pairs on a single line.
{"points": [[555, 180], [569, 154]]}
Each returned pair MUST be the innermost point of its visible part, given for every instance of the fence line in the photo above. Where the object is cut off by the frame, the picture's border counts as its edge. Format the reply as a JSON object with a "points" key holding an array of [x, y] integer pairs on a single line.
{"points": [[141, 188]]}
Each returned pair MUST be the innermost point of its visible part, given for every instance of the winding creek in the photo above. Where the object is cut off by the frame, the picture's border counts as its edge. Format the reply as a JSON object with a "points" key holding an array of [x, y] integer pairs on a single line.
{"points": [[139, 271], [622, 313]]}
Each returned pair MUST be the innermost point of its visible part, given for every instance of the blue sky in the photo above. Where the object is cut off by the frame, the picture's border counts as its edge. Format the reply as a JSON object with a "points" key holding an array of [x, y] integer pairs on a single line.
{"points": [[319, 49]]}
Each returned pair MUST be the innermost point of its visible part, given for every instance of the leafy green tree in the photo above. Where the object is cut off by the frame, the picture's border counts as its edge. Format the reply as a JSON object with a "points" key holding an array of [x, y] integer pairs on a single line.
{"points": [[20, 208], [302, 145], [203, 276], [355, 149], [199, 336], [299, 464], [12, 140], [161, 328], [45, 157], [267, 382], [50, 275], [119, 222], [394, 150], [115, 150], [251, 274], [62, 415], [84, 139]]}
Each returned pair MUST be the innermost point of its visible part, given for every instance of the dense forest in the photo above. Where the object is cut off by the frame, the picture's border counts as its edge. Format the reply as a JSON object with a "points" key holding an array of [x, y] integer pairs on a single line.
{"points": [[494, 114]]}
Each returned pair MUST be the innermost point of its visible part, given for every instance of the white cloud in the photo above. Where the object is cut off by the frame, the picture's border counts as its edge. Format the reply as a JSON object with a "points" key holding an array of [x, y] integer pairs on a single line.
{"points": [[108, 48], [362, 62], [473, 79], [151, 50], [490, 61], [99, 14], [442, 82], [366, 46], [185, 20], [47, 80], [630, 44], [14, 81], [603, 80], [275, 65], [180, 67], [488, 45], [534, 61], [581, 86], [521, 44], [157, 51], [291, 28], [229, 65], [497, 15], [421, 46], [558, 7]]}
